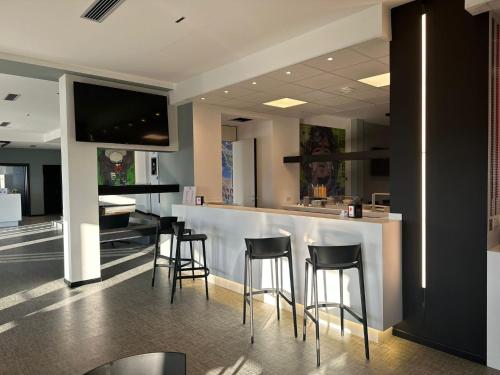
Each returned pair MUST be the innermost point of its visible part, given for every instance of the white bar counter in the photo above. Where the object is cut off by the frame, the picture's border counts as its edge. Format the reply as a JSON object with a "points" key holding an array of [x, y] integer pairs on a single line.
{"points": [[10, 210], [228, 226]]}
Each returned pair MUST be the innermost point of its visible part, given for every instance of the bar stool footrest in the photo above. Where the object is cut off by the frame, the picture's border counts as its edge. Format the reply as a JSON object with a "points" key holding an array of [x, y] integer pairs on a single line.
{"points": [[333, 304]]}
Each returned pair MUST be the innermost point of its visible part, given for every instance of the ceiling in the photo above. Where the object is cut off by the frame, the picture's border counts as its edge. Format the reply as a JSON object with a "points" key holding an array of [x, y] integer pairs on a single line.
{"points": [[36, 110], [322, 82], [141, 38]]}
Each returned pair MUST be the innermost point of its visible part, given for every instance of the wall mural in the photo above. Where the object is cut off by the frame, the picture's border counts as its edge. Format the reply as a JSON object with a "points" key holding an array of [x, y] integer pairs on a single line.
{"points": [[115, 167], [320, 140], [227, 172]]}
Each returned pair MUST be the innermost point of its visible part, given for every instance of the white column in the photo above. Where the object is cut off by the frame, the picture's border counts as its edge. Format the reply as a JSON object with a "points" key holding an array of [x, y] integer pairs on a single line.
{"points": [[80, 196]]}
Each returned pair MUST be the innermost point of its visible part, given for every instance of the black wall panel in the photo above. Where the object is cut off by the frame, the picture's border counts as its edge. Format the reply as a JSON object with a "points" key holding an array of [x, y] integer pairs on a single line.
{"points": [[451, 313]]}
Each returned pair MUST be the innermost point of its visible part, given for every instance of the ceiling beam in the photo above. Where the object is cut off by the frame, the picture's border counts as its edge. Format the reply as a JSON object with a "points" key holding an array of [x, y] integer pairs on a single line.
{"points": [[370, 23]]}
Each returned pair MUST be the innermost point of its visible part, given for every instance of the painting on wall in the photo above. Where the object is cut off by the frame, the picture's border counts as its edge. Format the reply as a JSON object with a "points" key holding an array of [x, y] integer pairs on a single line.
{"points": [[115, 167], [227, 172], [320, 140]]}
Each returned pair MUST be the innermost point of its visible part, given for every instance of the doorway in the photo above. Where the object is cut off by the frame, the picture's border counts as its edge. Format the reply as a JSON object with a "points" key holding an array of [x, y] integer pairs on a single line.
{"points": [[52, 189]]}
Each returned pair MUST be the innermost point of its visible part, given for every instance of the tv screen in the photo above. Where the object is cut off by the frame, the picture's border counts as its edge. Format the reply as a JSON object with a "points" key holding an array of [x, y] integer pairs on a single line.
{"points": [[110, 115]]}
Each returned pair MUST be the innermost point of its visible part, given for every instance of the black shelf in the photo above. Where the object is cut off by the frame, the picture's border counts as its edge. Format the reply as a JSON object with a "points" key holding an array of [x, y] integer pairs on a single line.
{"points": [[363, 155], [137, 189]]}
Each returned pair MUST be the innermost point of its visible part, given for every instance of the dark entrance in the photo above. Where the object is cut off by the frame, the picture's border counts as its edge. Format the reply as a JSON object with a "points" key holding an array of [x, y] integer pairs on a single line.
{"points": [[52, 189]]}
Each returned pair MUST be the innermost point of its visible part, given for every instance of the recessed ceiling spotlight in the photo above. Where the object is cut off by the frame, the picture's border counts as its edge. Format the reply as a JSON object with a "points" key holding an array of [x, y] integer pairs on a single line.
{"points": [[380, 80], [284, 103], [143, 120], [226, 92], [330, 59], [254, 83], [27, 115], [130, 125], [288, 73], [157, 114], [203, 98]]}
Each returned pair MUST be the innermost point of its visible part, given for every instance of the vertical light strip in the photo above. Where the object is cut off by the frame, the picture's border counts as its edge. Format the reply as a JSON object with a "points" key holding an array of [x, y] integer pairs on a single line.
{"points": [[424, 148]]}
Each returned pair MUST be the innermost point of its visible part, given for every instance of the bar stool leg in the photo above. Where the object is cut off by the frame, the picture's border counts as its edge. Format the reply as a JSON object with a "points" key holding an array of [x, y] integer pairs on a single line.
{"points": [[245, 291], [154, 264], [192, 257], [316, 314], [205, 267], [171, 253], [277, 289], [176, 266], [292, 287], [304, 325], [363, 307], [251, 297], [341, 286], [179, 269]]}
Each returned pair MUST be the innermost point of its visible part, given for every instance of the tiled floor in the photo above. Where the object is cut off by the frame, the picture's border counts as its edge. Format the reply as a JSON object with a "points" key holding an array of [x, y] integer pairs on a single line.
{"points": [[46, 328]]}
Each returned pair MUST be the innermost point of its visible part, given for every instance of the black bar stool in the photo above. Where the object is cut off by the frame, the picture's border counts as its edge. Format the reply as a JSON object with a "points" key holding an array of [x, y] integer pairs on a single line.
{"points": [[165, 227], [180, 233], [268, 248], [338, 258]]}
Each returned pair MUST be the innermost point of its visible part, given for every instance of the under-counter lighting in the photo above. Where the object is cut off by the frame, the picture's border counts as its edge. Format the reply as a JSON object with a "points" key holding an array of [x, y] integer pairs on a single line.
{"points": [[254, 83], [423, 125], [380, 80], [288, 73], [330, 59], [226, 92], [285, 103], [203, 98]]}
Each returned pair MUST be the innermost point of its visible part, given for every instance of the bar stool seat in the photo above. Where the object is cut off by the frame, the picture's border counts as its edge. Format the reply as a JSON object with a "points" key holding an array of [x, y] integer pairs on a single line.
{"points": [[338, 258], [268, 248]]}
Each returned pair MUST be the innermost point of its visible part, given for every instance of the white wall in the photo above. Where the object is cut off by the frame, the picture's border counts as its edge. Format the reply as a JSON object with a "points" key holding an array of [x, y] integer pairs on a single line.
{"points": [[262, 131], [79, 175], [207, 143]]}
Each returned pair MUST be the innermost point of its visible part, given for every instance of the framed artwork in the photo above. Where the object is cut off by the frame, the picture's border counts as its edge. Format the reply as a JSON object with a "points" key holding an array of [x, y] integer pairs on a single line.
{"points": [[321, 140], [115, 167]]}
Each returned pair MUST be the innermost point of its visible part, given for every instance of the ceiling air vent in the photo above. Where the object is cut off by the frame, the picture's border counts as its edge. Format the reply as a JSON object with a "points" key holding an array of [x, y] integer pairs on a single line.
{"points": [[100, 9], [11, 97], [4, 124], [241, 119]]}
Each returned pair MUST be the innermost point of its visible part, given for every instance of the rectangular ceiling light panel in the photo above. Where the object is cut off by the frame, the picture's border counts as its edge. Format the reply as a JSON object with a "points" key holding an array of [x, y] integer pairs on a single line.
{"points": [[100, 9], [285, 103], [380, 80]]}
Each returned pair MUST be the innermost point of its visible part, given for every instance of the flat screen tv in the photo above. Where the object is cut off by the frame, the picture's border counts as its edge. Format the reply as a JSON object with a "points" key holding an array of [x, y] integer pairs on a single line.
{"points": [[110, 115]]}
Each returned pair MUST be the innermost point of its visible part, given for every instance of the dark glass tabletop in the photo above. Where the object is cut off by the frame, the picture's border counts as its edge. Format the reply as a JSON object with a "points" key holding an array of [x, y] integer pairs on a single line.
{"points": [[170, 363]]}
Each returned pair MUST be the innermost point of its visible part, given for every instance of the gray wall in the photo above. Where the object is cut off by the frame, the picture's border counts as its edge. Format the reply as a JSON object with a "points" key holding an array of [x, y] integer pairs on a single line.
{"points": [[36, 159], [178, 167]]}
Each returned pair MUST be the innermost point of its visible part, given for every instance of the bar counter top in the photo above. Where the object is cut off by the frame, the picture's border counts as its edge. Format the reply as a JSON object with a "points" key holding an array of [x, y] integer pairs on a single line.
{"points": [[325, 213]]}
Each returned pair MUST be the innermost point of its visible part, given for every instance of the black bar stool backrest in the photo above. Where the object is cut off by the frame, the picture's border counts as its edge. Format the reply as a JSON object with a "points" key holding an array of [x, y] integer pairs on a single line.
{"points": [[331, 256], [268, 247], [166, 224], [178, 228]]}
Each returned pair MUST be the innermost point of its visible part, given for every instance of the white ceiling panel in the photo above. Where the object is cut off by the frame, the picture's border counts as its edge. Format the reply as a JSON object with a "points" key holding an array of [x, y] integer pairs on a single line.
{"points": [[339, 59], [375, 49], [295, 73], [323, 80], [363, 70]]}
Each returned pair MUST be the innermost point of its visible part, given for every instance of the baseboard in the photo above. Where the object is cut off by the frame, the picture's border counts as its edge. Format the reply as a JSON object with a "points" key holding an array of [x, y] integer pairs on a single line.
{"points": [[438, 346], [76, 284], [327, 320]]}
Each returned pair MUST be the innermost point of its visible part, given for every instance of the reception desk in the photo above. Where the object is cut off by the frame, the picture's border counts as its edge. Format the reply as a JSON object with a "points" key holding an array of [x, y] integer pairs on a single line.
{"points": [[227, 226], [10, 210]]}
